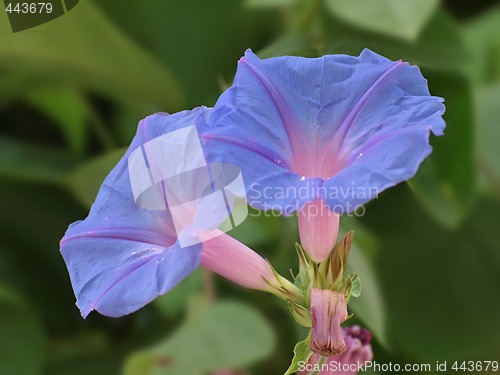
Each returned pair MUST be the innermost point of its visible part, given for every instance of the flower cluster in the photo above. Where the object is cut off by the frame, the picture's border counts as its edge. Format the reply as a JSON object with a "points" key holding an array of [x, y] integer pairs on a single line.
{"points": [[290, 124]]}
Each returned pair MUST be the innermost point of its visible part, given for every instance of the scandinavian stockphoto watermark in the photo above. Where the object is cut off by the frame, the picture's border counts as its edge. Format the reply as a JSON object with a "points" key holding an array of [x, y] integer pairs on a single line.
{"points": [[438, 366], [349, 195], [170, 173]]}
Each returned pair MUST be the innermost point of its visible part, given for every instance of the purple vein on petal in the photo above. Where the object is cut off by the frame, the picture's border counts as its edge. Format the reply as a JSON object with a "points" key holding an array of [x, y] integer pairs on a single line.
{"points": [[145, 130], [121, 278], [352, 114], [249, 145], [365, 147], [317, 139], [125, 234], [286, 116]]}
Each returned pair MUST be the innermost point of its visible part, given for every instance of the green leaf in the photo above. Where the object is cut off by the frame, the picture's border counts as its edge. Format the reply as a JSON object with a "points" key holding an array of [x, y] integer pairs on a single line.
{"points": [[488, 134], [398, 18], [175, 301], [86, 180], [439, 280], [439, 46], [257, 229], [436, 195], [13, 83], [356, 287], [290, 44], [226, 335], [483, 41], [199, 56], [36, 216], [301, 353], [21, 336], [141, 364], [98, 57], [369, 306], [32, 163], [67, 108], [269, 3], [445, 182]]}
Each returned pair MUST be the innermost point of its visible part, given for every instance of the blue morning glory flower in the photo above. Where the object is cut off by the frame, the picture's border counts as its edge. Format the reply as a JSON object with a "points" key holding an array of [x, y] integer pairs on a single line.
{"points": [[122, 257], [335, 130], [338, 129]]}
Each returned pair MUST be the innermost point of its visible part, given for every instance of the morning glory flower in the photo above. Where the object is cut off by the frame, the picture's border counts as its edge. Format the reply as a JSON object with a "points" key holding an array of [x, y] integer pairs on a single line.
{"points": [[320, 135], [140, 240], [122, 257], [334, 131]]}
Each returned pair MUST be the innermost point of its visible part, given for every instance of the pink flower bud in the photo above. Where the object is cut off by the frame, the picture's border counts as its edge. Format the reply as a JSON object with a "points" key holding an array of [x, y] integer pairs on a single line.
{"points": [[358, 352], [358, 348], [328, 311], [318, 229], [236, 262]]}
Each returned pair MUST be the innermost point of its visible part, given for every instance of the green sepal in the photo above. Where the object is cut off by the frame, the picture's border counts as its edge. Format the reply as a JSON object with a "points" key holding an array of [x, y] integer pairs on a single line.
{"points": [[306, 271], [283, 288], [302, 352], [300, 313], [346, 288], [325, 268], [339, 277], [340, 254], [356, 286], [318, 279]]}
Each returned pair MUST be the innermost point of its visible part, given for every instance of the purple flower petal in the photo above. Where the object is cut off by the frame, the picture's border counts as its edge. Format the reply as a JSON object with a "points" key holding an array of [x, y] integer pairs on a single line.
{"points": [[311, 124], [122, 257]]}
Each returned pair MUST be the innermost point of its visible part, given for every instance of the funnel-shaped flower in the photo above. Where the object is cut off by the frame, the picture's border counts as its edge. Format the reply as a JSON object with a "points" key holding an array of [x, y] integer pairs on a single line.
{"points": [[336, 124], [122, 257], [336, 128]]}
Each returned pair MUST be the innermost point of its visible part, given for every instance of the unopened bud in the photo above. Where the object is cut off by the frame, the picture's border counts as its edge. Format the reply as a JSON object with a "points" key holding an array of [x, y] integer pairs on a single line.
{"points": [[328, 312]]}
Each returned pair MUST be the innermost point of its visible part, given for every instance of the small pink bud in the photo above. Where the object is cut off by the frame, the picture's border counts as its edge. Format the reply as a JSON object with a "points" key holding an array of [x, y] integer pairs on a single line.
{"points": [[358, 352], [318, 229], [236, 262], [328, 312]]}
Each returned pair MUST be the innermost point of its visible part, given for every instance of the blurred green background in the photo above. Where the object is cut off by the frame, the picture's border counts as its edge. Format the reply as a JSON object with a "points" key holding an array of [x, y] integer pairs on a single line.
{"points": [[71, 94]]}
